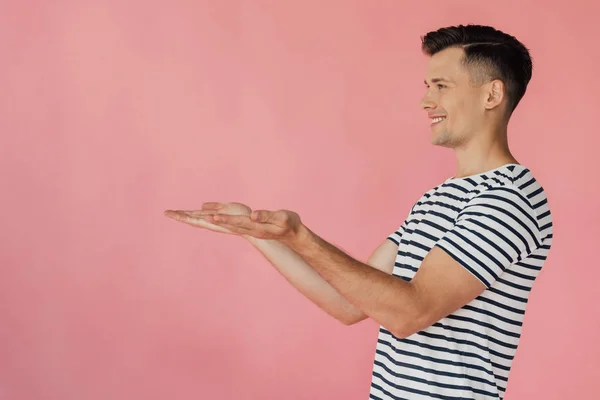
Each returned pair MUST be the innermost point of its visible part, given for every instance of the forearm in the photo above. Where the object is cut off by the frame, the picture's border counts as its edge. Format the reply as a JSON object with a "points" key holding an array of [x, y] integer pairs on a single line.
{"points": [[390, 301], [306, 280]]}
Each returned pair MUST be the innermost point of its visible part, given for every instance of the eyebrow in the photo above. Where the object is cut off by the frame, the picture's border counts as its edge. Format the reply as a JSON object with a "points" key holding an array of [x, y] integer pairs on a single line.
{"points": [[436, 80]]}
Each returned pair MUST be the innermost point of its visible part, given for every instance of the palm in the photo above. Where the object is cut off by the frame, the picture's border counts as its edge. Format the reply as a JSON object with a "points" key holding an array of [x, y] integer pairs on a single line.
{"points": [[196, 218]]}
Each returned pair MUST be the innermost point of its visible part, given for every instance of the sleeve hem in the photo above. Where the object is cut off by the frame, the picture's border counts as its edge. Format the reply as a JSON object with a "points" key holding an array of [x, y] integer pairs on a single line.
{"points": [[466, 266]]}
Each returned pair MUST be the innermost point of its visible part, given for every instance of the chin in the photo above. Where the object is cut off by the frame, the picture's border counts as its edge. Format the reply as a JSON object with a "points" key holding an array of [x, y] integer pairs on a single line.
{"points": [[441, 139]]}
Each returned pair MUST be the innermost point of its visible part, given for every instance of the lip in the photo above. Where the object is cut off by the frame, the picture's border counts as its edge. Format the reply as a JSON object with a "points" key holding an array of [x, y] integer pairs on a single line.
{"points": [[432, 117]]}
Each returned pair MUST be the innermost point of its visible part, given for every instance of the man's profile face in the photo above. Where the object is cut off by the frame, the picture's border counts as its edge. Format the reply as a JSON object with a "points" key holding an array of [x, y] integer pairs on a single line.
{"points": [[451, 95]]}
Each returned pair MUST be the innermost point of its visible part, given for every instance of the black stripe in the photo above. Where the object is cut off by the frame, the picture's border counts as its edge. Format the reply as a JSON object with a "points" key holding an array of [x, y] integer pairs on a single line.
{"points": [[405, 266], [541, 203], [388, 394], [410, 255], [543, 215], [501, 183], [507, 200], [438, 203], [440, 349], [514, 285], [529, 182], [485, 238], [464, 264], [500, 305], [535, 192], [443, 216], [522, 276], [508, 296], [393, 240], [434, 225], [419, 245], [522, 174], [484, 226], [508, 227], [433, 371], [529, 266], [450, 196], [481, 250], [431, 383], [502, 367], [493, 315], [498, 173], [483, 324], [510, 215], [475, 333], [455, 186], [466, 342], [411, 390], [425, 235], [506, 212]]}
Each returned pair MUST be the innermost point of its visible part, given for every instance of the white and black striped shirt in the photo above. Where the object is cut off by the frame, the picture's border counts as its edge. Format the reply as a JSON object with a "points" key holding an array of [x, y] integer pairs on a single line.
{"points": [[498, 226]]}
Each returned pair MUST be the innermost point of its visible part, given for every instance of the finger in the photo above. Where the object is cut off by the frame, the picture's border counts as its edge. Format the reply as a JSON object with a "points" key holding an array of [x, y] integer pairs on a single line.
{"points": [[212, 206], [237, 230], [182, 216], [263, 216], [174, 214], [196, 222], [248, 227], [238, 220], [199, 213], [179, 215]]}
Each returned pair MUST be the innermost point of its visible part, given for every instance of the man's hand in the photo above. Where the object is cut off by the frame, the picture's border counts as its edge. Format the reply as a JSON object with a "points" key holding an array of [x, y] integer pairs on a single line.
{"points": [[200, 218], [281, 225]]}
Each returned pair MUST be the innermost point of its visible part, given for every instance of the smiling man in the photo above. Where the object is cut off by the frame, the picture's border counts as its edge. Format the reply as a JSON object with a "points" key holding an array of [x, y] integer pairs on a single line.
{"points": [[449, 288]]}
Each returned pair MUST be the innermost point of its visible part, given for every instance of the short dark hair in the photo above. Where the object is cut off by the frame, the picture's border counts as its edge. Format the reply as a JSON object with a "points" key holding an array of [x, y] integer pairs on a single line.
{"points": [[489, 54]]}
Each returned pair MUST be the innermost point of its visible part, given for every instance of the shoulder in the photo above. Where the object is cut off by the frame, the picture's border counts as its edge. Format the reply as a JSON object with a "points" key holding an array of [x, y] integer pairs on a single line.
{"points": [[514, 194]]}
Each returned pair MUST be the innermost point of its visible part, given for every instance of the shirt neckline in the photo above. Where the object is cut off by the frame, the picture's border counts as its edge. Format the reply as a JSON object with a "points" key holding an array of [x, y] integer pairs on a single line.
{"points": [[484, 172]]}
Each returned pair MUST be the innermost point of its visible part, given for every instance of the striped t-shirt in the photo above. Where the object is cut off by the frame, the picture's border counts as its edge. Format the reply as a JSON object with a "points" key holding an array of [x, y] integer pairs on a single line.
{"points": [[498, 226]]}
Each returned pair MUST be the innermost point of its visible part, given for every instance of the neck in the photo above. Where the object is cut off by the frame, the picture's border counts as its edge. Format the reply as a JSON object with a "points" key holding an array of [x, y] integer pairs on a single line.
{"points": [[483, 153]]}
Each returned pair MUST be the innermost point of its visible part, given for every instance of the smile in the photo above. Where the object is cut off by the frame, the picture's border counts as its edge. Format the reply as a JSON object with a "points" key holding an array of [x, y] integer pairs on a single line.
{"points": [[437, 120]]}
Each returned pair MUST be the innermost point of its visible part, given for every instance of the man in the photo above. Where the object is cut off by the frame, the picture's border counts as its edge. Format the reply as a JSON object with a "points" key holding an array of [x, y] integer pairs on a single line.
{"points": [[467, 254]]}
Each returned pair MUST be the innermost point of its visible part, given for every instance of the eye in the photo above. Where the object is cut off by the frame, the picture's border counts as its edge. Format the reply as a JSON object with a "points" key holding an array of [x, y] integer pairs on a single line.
{"points": [[440, 86]]}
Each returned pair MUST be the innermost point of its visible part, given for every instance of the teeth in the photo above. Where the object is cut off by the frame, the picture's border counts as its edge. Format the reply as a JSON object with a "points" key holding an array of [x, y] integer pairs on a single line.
{"points": [[436, 120]]}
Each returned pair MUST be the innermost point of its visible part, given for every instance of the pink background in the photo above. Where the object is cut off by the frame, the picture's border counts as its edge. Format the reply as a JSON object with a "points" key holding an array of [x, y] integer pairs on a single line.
{"points": [[112, 111]]}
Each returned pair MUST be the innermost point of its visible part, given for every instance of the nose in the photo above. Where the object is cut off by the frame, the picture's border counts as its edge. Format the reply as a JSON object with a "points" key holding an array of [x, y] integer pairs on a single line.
{"points": [[427, 102]]}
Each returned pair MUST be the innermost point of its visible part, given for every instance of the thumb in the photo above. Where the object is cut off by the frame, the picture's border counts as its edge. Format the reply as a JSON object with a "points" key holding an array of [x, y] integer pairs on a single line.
{"points": [[260, 216]]}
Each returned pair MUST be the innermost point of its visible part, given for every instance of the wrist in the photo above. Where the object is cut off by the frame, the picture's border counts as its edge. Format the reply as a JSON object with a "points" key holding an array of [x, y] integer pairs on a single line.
{"points": [[251, 239], [300, 239]]}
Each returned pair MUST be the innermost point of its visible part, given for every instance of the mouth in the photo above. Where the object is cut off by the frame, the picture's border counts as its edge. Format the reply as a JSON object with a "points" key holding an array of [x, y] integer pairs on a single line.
{"points": [[437, 120]]}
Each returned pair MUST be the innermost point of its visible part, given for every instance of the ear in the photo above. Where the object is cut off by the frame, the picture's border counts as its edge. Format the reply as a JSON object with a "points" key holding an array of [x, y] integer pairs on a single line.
{"points": [[494, 94]]}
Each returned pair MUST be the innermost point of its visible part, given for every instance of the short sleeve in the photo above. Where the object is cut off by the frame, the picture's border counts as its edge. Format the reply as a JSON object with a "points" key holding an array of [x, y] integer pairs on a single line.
{"points": [[397, 235], [495, 229]]}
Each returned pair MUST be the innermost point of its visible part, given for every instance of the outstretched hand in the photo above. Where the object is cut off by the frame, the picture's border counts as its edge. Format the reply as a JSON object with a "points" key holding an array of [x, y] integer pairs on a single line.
{"points": [[199, 218], [239, 219]]}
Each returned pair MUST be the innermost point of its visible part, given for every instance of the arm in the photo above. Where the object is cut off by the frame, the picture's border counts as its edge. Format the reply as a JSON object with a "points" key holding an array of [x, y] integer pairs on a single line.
{"points": [[440, 287], [307, 281]]}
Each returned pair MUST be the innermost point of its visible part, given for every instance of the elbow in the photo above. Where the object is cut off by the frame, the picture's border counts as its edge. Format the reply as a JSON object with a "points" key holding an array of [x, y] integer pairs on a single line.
{"points": [[402, 332], [407, 327], [352, 319]]}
